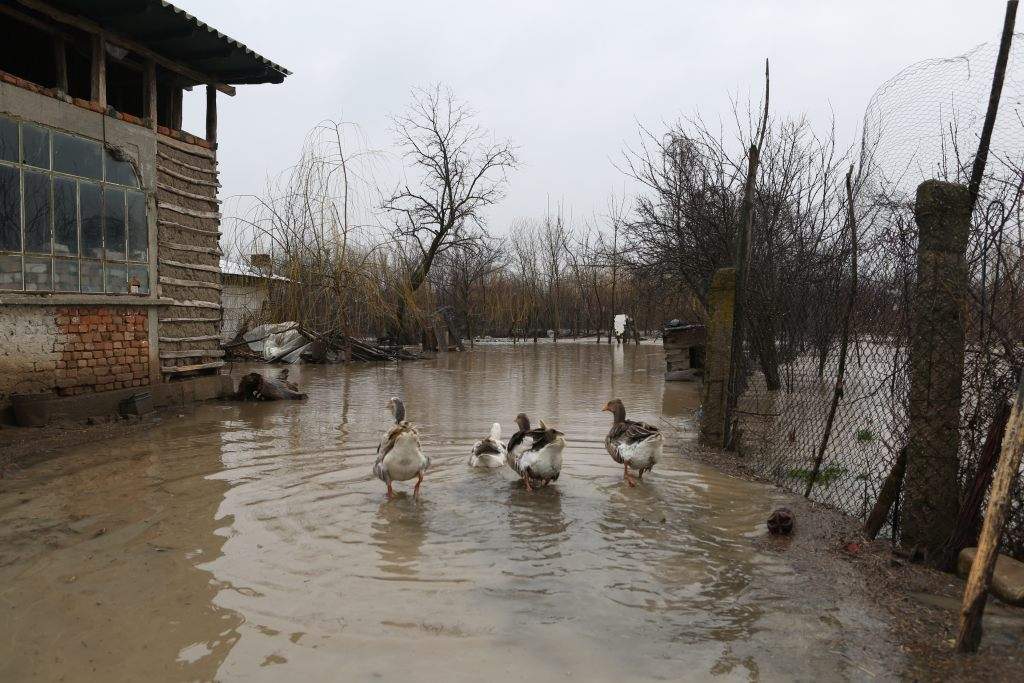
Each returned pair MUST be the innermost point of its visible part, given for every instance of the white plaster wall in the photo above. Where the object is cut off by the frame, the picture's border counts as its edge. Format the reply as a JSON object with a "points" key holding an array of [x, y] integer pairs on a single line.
{"points": [[239, 301]]}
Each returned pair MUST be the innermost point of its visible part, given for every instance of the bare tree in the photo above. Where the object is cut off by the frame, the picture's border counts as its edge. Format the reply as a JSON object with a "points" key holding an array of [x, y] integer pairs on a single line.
{"points": [[458, 169]]}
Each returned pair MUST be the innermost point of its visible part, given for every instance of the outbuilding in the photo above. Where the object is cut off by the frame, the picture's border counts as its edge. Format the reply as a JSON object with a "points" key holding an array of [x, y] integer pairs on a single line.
{"points": [[110, 274]]}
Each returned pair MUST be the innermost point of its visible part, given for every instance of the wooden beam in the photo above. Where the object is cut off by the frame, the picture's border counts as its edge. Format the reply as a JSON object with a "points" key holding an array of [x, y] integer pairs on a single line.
{"points": [[150, 93], [177, 96], [211, 115], [189, 368], [98, 81], [60, 60], [93, 27]]}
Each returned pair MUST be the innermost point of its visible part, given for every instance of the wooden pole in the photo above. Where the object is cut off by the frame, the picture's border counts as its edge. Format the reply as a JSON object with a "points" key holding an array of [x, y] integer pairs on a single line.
{"points": [[886, 497], [60, 60], [151, 97], [98, 80], [211, 115], [844, 343], [176, 106], [978, 170], [980, 578]]}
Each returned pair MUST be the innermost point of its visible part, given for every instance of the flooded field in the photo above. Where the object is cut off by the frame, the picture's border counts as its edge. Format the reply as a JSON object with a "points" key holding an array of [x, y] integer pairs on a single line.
{"points": [[251, 541]]}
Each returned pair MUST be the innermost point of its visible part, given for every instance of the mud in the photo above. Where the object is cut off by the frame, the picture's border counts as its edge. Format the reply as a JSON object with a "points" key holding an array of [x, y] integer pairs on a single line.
{"points": [[250, 540]]}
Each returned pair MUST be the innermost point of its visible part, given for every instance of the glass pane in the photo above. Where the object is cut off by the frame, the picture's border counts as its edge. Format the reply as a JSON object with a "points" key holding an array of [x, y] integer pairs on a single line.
{"points": [[37, 212], [35, 146], [37, 274], [138, 275], [77, 156], [65, 216], [65, 275], [10, 209], [117, 278], [10, 272], [8, 139], [92, 276], [120, 172], [90, 201], [113, 223], [138, 227]]}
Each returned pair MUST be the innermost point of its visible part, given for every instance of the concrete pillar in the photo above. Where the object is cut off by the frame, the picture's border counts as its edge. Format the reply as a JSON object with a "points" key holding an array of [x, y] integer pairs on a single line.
{"points": [[931, 487], [721, 299]]}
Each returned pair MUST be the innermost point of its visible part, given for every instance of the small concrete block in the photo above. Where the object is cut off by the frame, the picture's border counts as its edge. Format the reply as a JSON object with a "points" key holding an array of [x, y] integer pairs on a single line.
{"points": [[1007, 579]]}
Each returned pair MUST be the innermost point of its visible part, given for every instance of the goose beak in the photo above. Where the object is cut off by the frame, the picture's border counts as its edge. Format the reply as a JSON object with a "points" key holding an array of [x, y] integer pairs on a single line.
{"points": [[607, 408]]}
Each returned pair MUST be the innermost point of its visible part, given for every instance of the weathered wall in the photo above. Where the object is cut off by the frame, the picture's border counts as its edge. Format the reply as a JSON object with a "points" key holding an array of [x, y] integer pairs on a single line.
{"points": [[72, 350], [240, 298], [188, 220]]}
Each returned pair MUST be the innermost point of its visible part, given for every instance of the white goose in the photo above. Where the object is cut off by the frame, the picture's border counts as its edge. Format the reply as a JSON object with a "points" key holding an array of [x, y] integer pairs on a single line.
{"points": [[631, 443], [535, 454], [399, 457], [489, 452]]}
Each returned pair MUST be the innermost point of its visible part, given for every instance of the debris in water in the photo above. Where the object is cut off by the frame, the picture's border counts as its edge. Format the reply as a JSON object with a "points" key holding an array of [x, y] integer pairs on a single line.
{"points": [[780, 523]]}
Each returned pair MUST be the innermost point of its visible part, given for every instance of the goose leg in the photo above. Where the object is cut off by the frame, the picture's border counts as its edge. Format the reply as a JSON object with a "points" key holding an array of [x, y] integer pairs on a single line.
{"points": [[391, 491], [526, 481], [628, 477], [640, 474], [416, 489]]}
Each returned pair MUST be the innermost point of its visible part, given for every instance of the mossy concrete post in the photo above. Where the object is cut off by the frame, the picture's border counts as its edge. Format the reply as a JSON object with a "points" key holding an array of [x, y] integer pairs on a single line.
{"points": [[931, 488], [721, 300]]}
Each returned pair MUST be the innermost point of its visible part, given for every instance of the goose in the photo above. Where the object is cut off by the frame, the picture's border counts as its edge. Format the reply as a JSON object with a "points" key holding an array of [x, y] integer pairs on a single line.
{"points": [[489, 452], [632, 444], [535, 454], [399, 457]]}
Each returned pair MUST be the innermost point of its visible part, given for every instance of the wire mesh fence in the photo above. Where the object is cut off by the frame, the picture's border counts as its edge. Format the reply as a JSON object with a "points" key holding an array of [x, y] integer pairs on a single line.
{"points": [[815, 419]]}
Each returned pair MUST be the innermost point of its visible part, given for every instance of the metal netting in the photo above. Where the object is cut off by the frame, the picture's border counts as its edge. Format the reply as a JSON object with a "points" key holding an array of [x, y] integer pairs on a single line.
{"points": [[923, 124]]}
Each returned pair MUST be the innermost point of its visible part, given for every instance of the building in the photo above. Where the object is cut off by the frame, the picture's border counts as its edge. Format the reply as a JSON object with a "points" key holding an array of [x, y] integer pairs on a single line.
{"points": [[109, 216], [244, 294]]}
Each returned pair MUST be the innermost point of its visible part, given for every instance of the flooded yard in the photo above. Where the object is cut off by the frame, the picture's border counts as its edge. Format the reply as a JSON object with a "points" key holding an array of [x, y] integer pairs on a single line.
{"points": [[251, 541]]}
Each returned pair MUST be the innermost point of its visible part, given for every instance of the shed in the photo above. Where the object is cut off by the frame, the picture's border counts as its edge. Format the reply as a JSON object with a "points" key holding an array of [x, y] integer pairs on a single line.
{"points": [[684, 350]]}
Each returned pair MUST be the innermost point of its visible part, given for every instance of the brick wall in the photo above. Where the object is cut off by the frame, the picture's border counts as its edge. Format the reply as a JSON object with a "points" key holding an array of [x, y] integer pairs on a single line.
{"points": [[100, 349]]}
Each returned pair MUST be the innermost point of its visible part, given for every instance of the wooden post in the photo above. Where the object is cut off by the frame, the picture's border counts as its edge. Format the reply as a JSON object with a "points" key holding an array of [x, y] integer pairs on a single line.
{"points": [[60, 60], [98, 81], [176, 98], [211, 115], [937, 346], [886, 497], [976, 591], [151, 97], [721, 299]]}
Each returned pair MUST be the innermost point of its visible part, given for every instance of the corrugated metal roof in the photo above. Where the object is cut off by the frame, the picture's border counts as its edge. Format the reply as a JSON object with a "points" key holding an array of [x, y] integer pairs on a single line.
{"points": [[179, 36]]}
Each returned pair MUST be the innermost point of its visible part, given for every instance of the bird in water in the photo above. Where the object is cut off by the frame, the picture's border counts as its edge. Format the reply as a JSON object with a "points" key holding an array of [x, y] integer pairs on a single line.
{"points": [[632, 444], [535, 454], [489, 452], [399, 457]]}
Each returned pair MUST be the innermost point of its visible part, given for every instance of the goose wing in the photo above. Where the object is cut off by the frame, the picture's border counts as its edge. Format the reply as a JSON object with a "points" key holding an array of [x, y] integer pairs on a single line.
{"points": [[631, 432], [485, 446]]}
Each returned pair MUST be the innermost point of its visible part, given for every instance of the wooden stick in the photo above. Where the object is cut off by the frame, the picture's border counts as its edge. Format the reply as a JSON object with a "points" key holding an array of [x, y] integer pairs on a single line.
{"points": [[151, 94], [965, 533], [60, 58], [98, 74], [980, 578], [886, 497], [211, 115]]}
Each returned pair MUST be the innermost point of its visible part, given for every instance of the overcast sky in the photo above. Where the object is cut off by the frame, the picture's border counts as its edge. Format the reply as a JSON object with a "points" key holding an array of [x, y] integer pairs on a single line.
{"points": [[566, 80]]}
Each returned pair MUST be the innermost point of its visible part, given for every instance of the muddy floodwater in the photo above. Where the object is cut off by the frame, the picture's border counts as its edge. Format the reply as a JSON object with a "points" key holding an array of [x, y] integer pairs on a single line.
{"points": [[250, 541]]}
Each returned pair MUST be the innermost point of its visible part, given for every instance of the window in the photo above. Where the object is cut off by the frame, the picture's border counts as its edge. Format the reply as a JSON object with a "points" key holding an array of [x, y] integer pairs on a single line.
{"points": [[72, 215]]}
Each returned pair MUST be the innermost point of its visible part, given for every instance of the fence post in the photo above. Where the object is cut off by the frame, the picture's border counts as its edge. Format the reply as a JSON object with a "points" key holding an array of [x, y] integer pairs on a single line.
{"points": [[721, 299], [931, 500]]}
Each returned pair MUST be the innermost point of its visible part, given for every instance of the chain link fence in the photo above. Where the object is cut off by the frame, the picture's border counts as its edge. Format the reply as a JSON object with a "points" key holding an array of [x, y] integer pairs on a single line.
{"points": [[923, 124]]}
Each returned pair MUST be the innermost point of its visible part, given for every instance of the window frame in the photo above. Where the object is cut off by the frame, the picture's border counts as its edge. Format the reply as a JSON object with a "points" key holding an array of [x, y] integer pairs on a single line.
{"points": [[110, 182]]}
